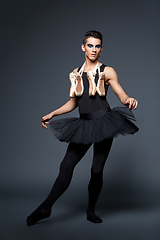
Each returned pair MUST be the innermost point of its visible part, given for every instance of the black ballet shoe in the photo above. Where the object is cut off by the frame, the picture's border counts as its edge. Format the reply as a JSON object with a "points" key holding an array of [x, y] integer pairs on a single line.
{"points": [[37, 215], [92, 217]]}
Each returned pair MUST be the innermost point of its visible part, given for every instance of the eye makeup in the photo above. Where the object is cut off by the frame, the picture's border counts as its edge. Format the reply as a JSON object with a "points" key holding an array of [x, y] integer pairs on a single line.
{"points": [[91, 46]]}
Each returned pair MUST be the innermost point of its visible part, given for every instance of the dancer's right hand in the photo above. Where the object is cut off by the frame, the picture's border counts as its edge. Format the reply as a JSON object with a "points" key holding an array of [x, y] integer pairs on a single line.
{"points": [[45, 120]]}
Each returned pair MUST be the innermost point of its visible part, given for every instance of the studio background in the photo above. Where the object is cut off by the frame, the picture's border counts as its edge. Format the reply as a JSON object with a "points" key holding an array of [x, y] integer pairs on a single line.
{"points": [[40, 46]]}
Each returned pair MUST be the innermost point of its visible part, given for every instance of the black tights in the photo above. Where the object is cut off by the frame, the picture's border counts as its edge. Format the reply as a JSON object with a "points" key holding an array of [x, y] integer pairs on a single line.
{"points": [[74, 154]]}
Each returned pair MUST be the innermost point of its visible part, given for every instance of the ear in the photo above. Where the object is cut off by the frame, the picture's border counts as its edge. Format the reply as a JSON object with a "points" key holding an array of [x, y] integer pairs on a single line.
{"points": [[101, 48], [83, 48]]}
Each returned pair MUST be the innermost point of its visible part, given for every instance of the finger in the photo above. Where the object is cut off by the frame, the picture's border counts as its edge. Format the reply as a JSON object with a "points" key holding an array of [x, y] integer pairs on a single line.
{"points": [[130, 105], [136, 105], [129, 102], [44, 118], [47, 122], [43, 125], [133, 104]]}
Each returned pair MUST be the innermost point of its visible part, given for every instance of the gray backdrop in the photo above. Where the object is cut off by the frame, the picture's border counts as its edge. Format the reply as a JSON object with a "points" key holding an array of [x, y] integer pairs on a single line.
{"points": [[40, 46]]}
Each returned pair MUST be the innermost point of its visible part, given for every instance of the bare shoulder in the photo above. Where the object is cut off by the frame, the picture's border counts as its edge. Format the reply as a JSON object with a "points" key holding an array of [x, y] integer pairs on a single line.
{"points": [[109, 69], [75, 70], [110, 72]]}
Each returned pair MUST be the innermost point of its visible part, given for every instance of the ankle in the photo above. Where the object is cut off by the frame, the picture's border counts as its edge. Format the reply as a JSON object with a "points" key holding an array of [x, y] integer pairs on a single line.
{"points": [[90, 209]]}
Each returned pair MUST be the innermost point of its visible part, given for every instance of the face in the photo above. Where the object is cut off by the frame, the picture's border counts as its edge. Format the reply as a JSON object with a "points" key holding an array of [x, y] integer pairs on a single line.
{"points": [[92, 48]]}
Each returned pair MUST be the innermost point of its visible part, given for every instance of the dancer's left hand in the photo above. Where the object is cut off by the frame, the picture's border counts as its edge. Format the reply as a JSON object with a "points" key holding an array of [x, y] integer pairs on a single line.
{"points": [[132, 103]]}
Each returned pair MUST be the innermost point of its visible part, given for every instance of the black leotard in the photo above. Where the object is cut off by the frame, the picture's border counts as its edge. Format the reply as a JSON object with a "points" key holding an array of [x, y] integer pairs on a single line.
{"points": [[88, 104]]}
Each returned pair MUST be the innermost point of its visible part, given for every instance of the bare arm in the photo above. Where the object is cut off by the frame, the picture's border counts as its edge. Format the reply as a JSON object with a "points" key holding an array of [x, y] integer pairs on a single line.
{"points": [[112, 80], [67, 107]]}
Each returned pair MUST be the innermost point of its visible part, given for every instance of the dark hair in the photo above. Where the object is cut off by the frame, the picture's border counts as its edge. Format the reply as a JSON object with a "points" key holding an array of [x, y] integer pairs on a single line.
{"points": [[94, 34]]}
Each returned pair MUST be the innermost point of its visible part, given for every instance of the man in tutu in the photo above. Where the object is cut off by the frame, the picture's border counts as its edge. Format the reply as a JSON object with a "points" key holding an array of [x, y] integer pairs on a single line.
{"points": [[98, 124]]}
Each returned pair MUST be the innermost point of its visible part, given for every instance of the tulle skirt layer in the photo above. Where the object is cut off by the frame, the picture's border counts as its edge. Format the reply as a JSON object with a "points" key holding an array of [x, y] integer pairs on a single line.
{"points": [[95, 127]]}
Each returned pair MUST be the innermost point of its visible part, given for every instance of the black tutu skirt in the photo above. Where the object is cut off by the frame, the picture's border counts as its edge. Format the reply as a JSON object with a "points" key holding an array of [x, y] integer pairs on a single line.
{"points": [[96, 126]]}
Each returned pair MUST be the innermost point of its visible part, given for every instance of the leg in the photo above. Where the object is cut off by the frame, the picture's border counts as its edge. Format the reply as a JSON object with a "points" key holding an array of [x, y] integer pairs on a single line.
{"points": [[101, 151], [74, 154]]}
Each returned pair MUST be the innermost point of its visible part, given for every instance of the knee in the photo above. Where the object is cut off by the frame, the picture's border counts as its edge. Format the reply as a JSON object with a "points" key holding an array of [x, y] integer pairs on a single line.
{"points": [[66, 167], [95, 172]]}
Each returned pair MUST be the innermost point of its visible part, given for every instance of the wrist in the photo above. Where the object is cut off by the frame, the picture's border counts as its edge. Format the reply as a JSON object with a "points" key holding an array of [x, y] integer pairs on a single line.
{"points": [[52, 114], [126, 100]]}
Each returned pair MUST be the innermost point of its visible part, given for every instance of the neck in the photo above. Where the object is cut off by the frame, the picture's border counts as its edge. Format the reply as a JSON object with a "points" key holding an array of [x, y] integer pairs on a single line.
{"points": [[90, 65]]}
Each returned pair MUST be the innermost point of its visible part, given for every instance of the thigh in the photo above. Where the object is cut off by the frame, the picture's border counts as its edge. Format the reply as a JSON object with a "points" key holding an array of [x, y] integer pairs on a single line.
{"points": [[101, 151], [74, 154]]}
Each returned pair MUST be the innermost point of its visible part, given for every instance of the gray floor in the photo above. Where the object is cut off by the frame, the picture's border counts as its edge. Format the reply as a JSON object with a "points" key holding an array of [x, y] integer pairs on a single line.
{"points": [[133, 221]]}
